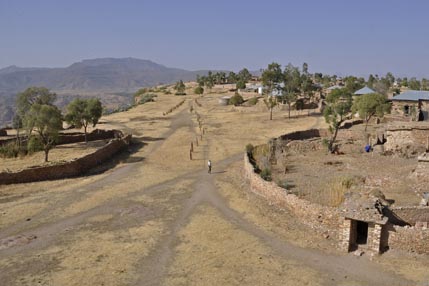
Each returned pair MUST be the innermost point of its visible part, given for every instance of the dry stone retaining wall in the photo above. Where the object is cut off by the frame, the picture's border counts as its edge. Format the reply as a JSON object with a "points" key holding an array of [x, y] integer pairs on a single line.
{"points": [[411, 239], [69, 169], [320, 218], [332, 221]]}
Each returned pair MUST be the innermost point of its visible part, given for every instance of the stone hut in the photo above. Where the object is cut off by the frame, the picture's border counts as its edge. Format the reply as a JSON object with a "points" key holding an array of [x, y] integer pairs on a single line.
{"points": [[363, 226], [409, 103]]}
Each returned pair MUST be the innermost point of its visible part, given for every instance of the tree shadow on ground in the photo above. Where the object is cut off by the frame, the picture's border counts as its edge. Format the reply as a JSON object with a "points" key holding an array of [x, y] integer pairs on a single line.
{"points": [[125, 156]]}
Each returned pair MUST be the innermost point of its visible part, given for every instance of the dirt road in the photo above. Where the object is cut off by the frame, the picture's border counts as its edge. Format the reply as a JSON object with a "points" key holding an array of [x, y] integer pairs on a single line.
{"points": [[157, 218]]}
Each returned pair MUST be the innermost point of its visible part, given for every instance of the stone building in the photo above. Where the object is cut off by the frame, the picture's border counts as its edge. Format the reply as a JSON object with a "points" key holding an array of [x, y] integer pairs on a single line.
{"points": [[409, 103], [364, 226]]}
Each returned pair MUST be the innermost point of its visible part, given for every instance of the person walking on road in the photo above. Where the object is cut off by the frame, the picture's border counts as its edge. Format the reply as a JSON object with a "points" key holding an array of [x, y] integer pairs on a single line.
{"points": [[209, 164]]}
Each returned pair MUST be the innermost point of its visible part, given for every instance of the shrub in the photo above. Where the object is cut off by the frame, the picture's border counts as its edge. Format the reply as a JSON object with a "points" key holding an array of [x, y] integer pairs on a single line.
{"points": [[34, 145], [285, 184], [266, 174], [148, 97], [199, 90], [253, 101], [10, 150], [237, 99], [167, 92], [180, 93]]}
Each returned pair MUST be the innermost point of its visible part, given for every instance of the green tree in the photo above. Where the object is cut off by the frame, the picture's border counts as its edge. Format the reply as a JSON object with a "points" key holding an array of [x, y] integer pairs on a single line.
{"points": [[244, 75], [31, 96], [272, 76], [338, 105], [83, 112], [232, 77], [240, 84], [46, 121], [270, 102], [180, 88], [292, 84], [414, 84], [370, 105]]}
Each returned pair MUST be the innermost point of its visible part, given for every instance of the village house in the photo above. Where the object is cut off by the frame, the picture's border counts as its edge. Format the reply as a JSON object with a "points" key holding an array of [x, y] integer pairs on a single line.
{"points": [[410, 102]]}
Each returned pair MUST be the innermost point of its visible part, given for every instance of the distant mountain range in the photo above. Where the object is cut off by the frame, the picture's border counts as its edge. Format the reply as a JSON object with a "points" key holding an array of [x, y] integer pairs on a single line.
{"points": [[94, 76]]}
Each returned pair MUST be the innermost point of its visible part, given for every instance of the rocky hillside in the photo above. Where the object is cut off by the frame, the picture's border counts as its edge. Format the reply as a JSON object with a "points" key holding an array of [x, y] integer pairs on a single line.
{"points": [[100, 77]]}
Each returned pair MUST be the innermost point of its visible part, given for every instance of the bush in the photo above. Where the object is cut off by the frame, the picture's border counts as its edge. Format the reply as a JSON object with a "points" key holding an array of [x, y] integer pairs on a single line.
{"points": [[10, 150], [237, 99], [34, 145], [199, 90], [266, 174], [180, 93], [167, 92], [149, 97], [253, 101]]}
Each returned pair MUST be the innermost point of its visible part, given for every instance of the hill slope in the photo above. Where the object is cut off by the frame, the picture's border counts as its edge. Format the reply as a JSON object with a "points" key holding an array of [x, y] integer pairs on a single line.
{"points": [[95, 76]]}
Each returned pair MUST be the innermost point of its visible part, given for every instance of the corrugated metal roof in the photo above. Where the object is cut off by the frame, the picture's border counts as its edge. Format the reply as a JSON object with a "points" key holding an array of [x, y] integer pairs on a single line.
{"points": [[412, 95], [364, 90]]}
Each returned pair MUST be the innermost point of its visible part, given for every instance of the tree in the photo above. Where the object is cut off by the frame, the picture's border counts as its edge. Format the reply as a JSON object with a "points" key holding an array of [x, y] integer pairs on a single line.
{"points": [[369, 105], [414, 84], [244, 75], [240, 84], [292, 84], [180, 88], [232, 77], [82, 112], [338, 105], [272, 76], [31, 96], [270, 102], [46, 121]]}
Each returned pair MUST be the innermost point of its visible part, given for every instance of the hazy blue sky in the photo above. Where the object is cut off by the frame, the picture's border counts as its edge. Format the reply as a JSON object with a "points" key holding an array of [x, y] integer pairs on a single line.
{"points": [[337, 36]]}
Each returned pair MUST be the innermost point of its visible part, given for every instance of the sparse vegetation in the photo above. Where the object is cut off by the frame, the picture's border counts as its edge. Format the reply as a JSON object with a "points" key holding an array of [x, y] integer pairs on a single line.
{"points": [[148, 97], [236, 99], [83, 112]]}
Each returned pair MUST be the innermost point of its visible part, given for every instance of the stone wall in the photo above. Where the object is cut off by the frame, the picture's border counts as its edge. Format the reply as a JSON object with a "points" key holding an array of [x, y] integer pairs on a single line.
{"points": [[412, 214], [407, 138], [68, 138], [410, 239], [332, 221], [320, 218], [69, 169]]}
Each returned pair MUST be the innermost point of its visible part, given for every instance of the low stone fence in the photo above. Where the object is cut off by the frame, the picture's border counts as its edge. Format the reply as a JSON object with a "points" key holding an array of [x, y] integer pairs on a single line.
{"points": [[329, 220], [69, 169], [320, 218], [410, 239], [68, 138]]}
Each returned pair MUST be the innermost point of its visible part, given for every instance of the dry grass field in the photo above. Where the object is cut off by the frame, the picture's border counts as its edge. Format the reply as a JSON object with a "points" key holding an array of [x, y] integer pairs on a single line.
{"points": [[157, 218]]}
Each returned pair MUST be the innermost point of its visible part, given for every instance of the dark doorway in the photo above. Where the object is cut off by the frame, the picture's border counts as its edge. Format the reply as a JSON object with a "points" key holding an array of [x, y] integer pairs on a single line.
{"points": [[362, 232]]}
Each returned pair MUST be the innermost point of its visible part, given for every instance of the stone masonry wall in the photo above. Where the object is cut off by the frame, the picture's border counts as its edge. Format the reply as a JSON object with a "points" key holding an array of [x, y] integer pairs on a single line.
{"points": [[70, 169], [331, 220], [320, 218], [410, 239], [407, 138], [412, 214]]}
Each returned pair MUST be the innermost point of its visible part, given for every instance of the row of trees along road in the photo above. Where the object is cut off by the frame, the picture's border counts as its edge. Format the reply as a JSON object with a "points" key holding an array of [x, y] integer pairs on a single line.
{"points": [[42, 120]]}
